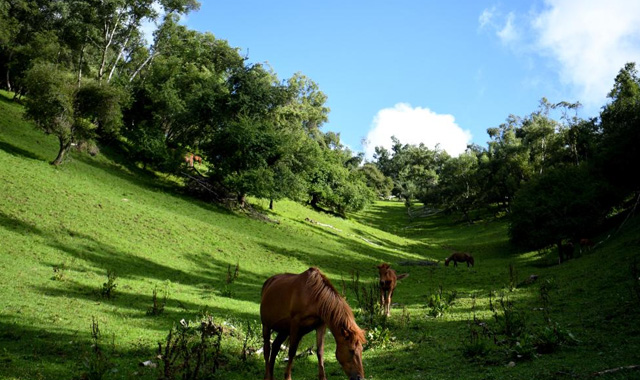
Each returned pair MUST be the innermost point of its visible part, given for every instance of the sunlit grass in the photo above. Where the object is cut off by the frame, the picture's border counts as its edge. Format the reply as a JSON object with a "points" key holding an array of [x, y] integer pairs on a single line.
{"points": [[98, 214]]}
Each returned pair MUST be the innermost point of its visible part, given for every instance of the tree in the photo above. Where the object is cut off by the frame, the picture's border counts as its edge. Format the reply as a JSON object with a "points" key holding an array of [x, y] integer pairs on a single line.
{"points": [[59, 108], [376, 181], [620, 146], [459, 185], [563, 203], [50, 105]]}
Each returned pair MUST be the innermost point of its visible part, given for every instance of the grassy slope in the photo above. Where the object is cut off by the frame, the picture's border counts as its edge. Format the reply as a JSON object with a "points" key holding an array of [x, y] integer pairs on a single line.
{"points": [[94, 215]]}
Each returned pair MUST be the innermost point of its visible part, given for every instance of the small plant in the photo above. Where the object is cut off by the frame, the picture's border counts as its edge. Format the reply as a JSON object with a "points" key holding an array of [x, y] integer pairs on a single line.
{"points": [[59, 272], [231, 277], [405, 317], [95, 362], [378, 336], [108, 288], [226, 291], [158, 307], [252, 339], [439, 302], [191, 349], [510, 321], [368, 312], [476, 345]]}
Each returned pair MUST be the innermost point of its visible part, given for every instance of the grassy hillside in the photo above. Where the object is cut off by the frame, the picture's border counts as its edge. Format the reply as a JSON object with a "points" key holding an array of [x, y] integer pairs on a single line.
{"points": [[62, 230]]}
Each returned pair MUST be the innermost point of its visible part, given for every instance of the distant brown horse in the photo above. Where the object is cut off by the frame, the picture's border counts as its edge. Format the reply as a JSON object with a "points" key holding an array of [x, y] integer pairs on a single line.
{"points": [[586, 244], [388, 281], [459, 257], [295, 304], [197, 159], [188, 159]]}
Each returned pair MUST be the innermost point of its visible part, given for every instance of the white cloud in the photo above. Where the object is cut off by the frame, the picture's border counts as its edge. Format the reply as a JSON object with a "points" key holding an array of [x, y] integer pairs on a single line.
{"points": [[486, 18], [414, 126], [503, 26], [508, 34], [591, 40]]}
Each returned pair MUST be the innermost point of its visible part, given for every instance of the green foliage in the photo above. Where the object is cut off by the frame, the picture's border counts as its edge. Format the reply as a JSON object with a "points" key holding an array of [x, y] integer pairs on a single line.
{"points": [[439, 302], [561, 203], [621, 131], [109, 287], [96, 362], [378, 337], [191, 349], [157, 307]]}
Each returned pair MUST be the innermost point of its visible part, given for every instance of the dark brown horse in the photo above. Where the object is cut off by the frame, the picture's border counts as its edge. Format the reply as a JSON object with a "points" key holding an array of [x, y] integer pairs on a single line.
{"points": [[459, 257], [388, 282], [293, 305]]}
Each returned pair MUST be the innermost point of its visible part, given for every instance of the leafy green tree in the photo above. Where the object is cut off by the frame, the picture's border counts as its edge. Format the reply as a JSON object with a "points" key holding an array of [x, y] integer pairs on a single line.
{"points": [[59, 108], [377, 181], [620, 146], [459, 186], [562, 203], [50, 105], [508, 160]]}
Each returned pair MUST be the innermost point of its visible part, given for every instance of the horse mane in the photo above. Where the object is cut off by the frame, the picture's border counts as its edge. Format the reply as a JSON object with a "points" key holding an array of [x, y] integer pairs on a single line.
{"points": [[333, 309]]}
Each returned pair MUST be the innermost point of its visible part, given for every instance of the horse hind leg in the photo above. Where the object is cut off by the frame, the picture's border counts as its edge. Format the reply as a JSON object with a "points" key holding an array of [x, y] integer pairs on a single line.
{"points": [[294, 340], [266, 350]]}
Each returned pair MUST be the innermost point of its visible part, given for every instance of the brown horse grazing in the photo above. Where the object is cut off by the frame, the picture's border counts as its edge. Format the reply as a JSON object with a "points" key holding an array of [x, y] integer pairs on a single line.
{"points": [[295, 304], [197, 158], [459, 257], [586, 245], [388, 281]]}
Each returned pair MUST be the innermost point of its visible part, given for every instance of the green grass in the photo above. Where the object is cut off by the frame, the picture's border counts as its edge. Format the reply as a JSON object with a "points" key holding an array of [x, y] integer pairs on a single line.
{"points": [[98, 214]]}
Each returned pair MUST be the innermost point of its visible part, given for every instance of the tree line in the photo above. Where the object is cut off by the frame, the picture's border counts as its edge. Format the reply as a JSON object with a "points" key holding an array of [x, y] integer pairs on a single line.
{"points": [[86, 75], [557, 176]]}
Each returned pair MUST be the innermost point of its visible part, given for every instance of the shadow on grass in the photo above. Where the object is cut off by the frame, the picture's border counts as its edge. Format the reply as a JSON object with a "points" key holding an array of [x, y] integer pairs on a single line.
{"points": [[16, 225], [19, 152]]}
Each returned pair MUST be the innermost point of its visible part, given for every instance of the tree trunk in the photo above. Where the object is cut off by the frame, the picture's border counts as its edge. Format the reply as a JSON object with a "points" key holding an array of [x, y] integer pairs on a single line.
{"points": [[271, 204], [8, 81], [242, 199], [65, 145], [80, 65], [314, 200]]}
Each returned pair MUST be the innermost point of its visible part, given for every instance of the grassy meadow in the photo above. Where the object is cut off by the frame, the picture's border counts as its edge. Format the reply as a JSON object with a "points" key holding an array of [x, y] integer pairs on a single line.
{"points": [[64, 229]]}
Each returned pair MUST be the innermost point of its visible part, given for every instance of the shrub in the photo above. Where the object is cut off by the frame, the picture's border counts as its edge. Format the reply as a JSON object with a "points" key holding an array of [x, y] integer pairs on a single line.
{"points": [[158, 307], [108, 288], [191, 348], [439, 302]]}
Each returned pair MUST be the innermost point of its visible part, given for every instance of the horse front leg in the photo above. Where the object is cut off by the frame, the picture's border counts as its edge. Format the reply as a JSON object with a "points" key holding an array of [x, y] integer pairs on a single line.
{"points": [[389, 302], [266, 349], [275, 348], [320, 332], [294, 340]]}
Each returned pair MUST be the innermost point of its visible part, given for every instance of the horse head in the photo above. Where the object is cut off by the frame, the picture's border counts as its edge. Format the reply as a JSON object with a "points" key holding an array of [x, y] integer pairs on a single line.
{"points": [[349, 352]]}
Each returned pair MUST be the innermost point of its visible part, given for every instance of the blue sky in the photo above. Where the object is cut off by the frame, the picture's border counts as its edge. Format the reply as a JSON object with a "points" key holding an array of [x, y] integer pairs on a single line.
{"points": [[434, 71]]}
